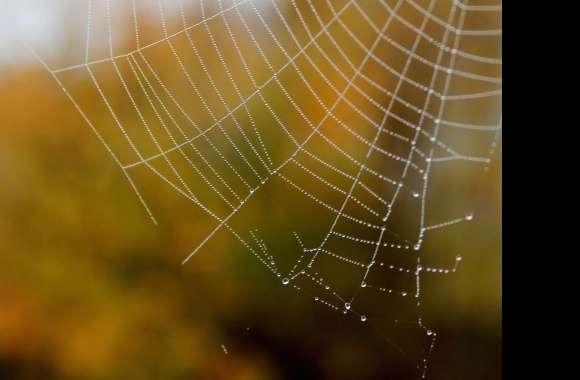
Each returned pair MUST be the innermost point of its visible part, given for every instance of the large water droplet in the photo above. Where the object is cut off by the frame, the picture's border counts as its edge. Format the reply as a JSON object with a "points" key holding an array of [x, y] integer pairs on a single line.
{"points": [[285, 281], [363, 318], [469, 216], [347, 306]]}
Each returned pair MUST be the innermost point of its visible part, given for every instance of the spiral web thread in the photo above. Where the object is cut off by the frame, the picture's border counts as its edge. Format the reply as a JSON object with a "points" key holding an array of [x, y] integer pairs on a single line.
{"points": [[228, 150]]}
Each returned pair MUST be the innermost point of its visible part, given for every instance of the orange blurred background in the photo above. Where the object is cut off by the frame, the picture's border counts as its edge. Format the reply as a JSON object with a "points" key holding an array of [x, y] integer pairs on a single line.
{"points": [[90, 288]]}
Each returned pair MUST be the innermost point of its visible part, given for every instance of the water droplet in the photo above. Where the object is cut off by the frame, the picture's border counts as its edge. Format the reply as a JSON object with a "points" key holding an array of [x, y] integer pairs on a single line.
{"points": [[429, 332], [285, 281], [347, 306], [415, 194], [459, 258], [363, 318], [416, 247], [363, 284], [469, 216]]}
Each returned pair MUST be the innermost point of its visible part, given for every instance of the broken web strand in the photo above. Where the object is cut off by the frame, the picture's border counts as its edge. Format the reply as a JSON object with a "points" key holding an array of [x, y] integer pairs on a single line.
{"points": [[348, 305]]}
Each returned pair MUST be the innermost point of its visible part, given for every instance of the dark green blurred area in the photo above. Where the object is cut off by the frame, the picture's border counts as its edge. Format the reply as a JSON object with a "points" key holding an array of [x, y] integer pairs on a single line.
{"points": [[90, 288]]}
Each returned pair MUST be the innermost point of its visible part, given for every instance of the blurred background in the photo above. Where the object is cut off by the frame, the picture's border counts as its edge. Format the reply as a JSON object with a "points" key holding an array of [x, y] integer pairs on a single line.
{"points": [[92, 288]]}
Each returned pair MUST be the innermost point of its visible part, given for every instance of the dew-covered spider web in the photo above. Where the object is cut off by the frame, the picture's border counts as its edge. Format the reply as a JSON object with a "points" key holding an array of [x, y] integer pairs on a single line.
{"points": [[345, 120]]}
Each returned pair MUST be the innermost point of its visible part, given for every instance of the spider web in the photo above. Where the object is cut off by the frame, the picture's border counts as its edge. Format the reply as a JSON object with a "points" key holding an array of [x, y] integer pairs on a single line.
{"points": [[348, 108]]}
